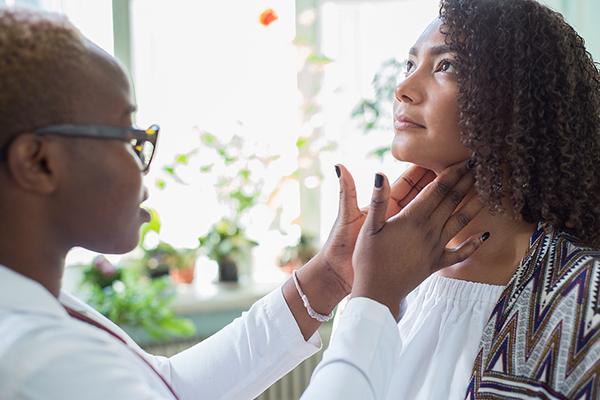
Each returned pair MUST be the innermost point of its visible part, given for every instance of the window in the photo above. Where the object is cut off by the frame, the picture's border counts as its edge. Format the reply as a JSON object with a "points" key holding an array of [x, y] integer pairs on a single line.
{"points": [[210, 66], [92, 17]]}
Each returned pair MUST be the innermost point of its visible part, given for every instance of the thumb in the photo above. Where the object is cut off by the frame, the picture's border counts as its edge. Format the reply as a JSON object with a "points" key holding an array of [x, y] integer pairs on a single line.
{"points": [[348, 202], [380, 198]]}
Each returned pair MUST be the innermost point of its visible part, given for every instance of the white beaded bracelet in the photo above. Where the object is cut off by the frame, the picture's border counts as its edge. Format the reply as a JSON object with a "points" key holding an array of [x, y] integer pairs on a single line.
{"points": [[311, 312]]}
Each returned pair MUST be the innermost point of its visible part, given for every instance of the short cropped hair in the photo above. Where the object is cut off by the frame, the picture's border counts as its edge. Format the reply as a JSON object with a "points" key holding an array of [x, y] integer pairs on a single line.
{"points": [[40, 53], [529, 99]]}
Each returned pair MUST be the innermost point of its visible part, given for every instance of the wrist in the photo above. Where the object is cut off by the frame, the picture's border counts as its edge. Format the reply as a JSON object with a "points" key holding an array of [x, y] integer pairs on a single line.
{"points": [[323, 287], [311, 312]]}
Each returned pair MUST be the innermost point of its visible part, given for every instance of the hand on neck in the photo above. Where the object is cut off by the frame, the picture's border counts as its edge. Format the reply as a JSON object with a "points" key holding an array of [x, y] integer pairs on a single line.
{"points": [[497, 260]]}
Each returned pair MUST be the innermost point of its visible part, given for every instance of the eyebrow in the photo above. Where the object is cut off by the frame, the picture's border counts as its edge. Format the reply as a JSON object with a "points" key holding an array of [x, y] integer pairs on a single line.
{"points": [[434, 51]]}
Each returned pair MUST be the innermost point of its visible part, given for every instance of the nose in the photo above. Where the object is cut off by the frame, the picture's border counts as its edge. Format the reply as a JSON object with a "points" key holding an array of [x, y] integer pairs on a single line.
{"points": [[408, 90]]}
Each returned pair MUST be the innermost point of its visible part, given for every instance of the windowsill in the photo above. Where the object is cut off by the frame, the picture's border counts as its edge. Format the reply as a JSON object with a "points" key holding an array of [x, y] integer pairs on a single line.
{"points": [[210, 306], [215, 297]]}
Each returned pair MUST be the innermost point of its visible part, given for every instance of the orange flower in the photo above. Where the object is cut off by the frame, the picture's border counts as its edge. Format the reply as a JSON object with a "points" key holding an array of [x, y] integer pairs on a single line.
{"points": [[268, 16]]}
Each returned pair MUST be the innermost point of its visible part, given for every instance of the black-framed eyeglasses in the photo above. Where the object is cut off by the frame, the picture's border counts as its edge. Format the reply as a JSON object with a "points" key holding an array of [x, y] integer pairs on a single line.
{"points": [[143, 141]]}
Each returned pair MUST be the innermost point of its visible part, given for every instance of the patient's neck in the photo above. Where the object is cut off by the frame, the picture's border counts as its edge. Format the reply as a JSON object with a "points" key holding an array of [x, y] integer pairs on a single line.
{"points": [[496, 261]]}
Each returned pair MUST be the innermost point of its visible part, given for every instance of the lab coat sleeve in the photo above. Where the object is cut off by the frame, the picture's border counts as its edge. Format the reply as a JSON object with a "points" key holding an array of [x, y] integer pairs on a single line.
{"points": [[359, 362], [245, 357]]}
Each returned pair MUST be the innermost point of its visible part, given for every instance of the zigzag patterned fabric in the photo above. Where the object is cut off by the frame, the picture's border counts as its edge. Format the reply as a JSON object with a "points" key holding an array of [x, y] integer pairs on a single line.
{"points": [[542, 339]]}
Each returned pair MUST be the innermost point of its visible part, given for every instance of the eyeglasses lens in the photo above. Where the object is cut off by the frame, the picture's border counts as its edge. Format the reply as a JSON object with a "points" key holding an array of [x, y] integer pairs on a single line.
{"points": [[144, 150], [146, 153]]}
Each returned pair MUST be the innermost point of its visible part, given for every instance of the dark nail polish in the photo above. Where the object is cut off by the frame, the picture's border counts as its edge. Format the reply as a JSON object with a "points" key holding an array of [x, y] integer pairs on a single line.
{"points": [[338, 172], [378, 180], [485, 236], [471, 164]]}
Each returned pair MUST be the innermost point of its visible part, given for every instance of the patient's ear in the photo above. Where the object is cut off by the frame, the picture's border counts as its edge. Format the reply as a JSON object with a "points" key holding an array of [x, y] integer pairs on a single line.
{"points": [[32, 162]]}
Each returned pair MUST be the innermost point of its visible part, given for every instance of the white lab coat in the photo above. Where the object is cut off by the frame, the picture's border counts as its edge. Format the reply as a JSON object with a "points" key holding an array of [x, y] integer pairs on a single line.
{"points": [[46, 354]]}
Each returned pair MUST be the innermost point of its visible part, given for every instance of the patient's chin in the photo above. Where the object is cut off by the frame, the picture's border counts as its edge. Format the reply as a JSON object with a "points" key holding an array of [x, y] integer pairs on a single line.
{"points": [[437, 166]]}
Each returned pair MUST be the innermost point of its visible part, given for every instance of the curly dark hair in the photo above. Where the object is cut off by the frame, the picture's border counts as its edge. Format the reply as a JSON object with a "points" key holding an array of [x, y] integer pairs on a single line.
{"points": [[529, 98]]}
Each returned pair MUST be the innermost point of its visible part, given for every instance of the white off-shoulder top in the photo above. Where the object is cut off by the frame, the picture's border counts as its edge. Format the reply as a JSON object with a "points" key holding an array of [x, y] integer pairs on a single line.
{"points": [[440, 327]]}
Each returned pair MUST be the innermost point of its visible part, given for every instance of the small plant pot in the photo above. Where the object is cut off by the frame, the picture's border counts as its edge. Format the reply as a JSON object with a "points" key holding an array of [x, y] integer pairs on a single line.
{"points": [[228, 271], [183, 275]]}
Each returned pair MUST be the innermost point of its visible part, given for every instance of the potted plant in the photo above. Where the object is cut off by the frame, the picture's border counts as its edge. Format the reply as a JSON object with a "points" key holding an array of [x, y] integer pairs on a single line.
{"points": [[165, 259], [129, 299], [227, 244], [239, 184]]}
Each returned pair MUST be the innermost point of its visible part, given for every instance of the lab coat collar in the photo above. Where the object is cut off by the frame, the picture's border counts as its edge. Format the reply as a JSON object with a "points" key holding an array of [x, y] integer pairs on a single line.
{"points": [[22, 294]]}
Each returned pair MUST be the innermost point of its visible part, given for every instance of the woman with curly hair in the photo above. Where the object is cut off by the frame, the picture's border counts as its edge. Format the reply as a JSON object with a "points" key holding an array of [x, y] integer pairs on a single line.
{"points": [[509, 85]]}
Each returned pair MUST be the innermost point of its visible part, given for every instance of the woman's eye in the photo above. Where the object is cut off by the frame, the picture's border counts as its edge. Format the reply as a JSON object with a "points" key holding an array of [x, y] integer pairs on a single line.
{"points": [[409, 68], [447, 66]]}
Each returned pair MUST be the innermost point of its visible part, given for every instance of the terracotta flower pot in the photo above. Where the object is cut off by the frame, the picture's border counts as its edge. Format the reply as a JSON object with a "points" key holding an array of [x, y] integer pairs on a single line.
{"points": [[184, 275]]}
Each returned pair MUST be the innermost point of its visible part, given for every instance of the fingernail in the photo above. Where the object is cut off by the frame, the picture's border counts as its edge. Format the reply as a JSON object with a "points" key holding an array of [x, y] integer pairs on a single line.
{"points": [[485, 236], [338, 172], [471, 164], [378, 180]]}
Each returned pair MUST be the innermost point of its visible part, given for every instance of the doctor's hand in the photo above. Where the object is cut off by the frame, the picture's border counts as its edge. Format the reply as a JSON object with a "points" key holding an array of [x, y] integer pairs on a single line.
{"points": [[337, 252], [328, 277], [393, 256]]}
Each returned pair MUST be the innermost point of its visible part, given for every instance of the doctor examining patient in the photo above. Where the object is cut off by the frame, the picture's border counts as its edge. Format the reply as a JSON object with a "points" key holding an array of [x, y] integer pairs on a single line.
{"points": [[474, 275]]}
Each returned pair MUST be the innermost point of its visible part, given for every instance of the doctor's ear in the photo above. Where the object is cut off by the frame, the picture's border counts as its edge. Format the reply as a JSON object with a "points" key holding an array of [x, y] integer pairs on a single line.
{"points": [[32, 162]]}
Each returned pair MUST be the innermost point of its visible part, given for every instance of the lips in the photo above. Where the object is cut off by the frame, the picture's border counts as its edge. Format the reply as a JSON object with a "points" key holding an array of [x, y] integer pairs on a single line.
{"points": [[402, 122], [145, 214]]}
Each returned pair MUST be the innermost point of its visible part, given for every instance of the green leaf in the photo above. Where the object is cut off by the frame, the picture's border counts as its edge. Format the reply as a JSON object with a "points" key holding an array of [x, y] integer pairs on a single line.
{"points": [[141, 303], [381, 152], [169, 170], [329, 147], [245, 174], [182, 159], [208, 138], [359, 109], [301, 142], [153, 226], [318, 59]]}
